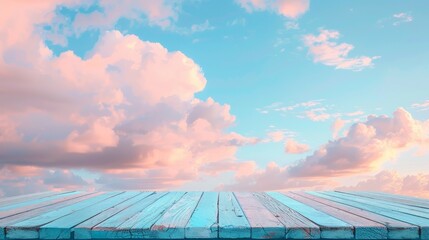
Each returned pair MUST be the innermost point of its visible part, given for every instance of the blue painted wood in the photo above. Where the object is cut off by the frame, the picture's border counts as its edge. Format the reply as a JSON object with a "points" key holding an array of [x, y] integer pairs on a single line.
{"points": [[203, 222], [232, 221], [387, 198], [8, 221], [423, 223], [143, 213], [61, 227], [172, 223], [421, 212], [34, 201], [83, 230], [331, 228], [396, 229], [364, 228], [24, 198], [213, 215], [297, 226], [28, 229], [262, 222]]}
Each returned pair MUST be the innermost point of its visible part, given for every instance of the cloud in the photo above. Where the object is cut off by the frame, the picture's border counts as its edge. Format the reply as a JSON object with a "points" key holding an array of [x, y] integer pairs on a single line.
{"points": [[294, 147], [273, 177], [336, 126], [364, 148], [317, 114], [201, 27], [126, 111], [326, 51], [158, 12], [402, 18], [288, 8], [16, 180], [423, 106], [393, 182]]}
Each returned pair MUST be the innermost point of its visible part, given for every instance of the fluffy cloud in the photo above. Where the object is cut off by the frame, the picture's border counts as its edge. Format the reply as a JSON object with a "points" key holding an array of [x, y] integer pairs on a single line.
{"points": [[294, 147], [288, 8], [364, 148], [393, 182], [127, 110], [21, 180], [325, 50]]}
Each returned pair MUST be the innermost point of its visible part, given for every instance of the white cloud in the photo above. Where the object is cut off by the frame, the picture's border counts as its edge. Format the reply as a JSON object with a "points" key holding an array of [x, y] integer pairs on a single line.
{"points": [[324, 49]]}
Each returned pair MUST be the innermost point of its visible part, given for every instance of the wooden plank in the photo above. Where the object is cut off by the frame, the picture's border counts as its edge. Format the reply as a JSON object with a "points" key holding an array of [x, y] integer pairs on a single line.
{"points": [[24, 198], [364, 228], [15, 211], [61, 227], [416, 200], [28, 229], [389, 198], [83, 230], [232, 221], [263, 224], [119, 225], [297, 226], [13, 206], [396, 229], [39, 211], [203, 222], [172, 223], [423, 223], [421, 212], [140, 225], [330, 227]]}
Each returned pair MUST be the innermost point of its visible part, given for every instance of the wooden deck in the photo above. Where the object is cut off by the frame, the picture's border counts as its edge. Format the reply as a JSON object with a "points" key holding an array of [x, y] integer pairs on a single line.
{"points": [[212, 215]]}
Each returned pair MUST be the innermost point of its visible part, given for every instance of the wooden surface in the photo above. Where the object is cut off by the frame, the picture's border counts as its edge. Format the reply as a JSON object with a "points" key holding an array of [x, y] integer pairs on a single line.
{"points": [[213, 215]]}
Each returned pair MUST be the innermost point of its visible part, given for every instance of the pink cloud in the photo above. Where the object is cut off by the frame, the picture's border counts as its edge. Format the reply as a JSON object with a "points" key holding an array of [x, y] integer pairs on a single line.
{"points": [[336, 126], [126, 111], [288, 8], [325, 50], [364, 148], [294, 147], [422, 106], [15, 180], [393, 182]]}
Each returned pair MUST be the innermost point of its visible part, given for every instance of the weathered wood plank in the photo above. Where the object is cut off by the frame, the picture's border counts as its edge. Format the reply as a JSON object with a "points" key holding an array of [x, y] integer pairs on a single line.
{"points": [[28, 229], [331, 228], [24, 198], [396, 229], [364, 228], [5, 222], [421, 212], [232, 221], [423, 223], [203, 222], [119, 225], [61, 227], [36, 201], [83, 230], [26, 208], [264, 225], [389, 198], [172, 223], [419, 201], [297, 226]]}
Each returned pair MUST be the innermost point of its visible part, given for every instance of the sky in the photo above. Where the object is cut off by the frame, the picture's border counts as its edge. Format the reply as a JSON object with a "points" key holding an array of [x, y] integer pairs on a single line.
{"points": [[244, 95]]}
